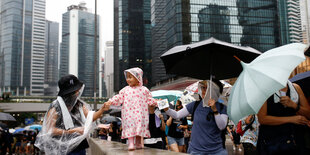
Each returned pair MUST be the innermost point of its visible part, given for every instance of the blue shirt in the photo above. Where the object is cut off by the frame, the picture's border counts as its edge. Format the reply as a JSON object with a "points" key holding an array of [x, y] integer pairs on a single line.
{"points": [[206, 136]]}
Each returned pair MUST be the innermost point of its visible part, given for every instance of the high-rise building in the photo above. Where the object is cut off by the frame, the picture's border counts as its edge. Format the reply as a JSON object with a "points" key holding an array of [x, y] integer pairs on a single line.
{"points": [[109, 68], [51, 58], [305, 20], [132, 39], [242, 22], [22, 44], [290, 21], [77, 47]]}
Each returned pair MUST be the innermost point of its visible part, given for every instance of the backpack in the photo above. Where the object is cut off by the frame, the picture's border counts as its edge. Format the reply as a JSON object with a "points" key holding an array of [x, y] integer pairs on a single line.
{"points": [[239, 127]]}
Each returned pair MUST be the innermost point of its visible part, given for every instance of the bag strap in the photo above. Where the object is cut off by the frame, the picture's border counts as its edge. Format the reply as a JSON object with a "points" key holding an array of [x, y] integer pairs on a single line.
{"points": [[195, 107], [249, 125]]}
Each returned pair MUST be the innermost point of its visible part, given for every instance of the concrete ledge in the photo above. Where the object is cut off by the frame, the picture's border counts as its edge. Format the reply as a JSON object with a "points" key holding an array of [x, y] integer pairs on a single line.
{"points": [[103, 147]]}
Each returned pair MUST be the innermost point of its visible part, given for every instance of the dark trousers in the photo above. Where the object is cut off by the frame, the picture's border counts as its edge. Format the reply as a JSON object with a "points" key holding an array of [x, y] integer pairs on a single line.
{"points": [[158, 145], [249, 149], [82, 152]]}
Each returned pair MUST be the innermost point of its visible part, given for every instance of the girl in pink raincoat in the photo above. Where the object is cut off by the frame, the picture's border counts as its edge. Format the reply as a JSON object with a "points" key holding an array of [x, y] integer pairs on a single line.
{"points": [[134, 99]]}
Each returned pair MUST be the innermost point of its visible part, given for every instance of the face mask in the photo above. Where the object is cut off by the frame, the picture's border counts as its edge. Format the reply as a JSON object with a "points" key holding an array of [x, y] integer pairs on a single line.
{"points": [[71, 100]]}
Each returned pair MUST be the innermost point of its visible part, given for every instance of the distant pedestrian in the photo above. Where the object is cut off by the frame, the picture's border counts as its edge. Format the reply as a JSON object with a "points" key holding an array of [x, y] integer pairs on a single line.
{"points": [[235, 137], [157, 128], [249, 139]]}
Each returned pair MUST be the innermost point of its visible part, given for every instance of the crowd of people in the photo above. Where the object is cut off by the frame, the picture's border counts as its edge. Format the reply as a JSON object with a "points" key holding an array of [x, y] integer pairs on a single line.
{"points": [[280, 127], [18, 143]]}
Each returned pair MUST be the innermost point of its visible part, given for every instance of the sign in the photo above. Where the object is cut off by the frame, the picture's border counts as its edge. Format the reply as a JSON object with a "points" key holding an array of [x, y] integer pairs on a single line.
{"points": [[29, 121]]}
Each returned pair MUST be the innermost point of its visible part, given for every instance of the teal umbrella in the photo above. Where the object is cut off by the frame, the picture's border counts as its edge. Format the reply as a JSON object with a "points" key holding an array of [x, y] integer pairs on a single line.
{"points": [[170, 95], [261, 78]]}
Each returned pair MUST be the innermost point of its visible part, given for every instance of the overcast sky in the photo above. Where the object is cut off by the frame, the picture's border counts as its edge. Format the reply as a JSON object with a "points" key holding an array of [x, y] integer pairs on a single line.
{"points": [[55, 9]]}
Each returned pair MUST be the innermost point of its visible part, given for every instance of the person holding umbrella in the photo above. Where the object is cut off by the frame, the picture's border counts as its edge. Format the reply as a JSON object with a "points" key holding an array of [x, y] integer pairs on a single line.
{"points": [[210, 118], [283, 119], [68, 121]]}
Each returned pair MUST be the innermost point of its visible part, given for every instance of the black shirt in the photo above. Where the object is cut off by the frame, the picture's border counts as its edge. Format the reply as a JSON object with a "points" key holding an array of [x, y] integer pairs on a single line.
{"points": [[174, 131], [155, 132]]}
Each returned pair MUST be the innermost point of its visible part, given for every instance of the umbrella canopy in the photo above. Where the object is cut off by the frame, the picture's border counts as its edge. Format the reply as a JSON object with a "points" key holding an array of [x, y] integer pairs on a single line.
{"points": [[170, 95], [209, 57], [33, 127], [110, 119], [6, 117], [193, 88], [261, 78], [18, 131], [303, 80]]}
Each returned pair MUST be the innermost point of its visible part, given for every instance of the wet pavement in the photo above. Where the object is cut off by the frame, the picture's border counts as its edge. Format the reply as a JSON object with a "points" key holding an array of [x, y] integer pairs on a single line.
{"points": [[103, 147]]}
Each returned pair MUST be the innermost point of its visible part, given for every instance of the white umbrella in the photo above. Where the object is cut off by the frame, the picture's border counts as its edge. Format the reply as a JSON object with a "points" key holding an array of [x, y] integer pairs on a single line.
{"points": [[261, 78]]}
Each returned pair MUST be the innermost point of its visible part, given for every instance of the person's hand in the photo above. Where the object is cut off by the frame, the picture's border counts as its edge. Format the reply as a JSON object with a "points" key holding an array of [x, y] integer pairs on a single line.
{"points": [[108, 103], [211, 103], [301, 120], [161, 116], [79, 130], [106, 106], [287, 102], [180, 126]]}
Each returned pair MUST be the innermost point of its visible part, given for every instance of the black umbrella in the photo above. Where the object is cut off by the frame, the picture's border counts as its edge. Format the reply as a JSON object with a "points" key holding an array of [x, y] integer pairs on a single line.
{"points": [[307, 52], [6, 117], [303, 80], [202, 59], [110, 119]]}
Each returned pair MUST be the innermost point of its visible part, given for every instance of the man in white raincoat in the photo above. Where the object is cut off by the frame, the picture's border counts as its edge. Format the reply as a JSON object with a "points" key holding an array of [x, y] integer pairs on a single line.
{"points": [[68, 121]]}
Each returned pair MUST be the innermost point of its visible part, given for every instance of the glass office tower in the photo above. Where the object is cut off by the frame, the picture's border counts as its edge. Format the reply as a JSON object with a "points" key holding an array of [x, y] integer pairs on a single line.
{"points": [[132, 39], [22, 43], [51, 58], [77, 47], [242, 22]]}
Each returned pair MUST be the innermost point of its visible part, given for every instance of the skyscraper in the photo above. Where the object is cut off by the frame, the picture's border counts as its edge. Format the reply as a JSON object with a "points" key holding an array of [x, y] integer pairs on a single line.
{"points": [[77, 47], [22, 28], [51, 58], [242, 22], [109, 68], [290, 21], [132, 39]]}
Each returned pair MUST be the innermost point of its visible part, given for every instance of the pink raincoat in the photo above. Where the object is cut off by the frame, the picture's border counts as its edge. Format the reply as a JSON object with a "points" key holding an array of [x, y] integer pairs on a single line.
{"points": [[134, 101]]}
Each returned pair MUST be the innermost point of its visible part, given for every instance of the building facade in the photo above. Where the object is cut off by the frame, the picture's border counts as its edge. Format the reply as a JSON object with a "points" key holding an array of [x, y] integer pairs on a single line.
{"points": [[290, 21], [22, 44], [77, 54], [51, 58], [109, 68], [242, 22], [132, 39]]}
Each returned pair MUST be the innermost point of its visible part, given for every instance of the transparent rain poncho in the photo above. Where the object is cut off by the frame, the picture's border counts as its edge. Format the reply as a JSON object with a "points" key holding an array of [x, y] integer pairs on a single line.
{"points": [[64, 118]]}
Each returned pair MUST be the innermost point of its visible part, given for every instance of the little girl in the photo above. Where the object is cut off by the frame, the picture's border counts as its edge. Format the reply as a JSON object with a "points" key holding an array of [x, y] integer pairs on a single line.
{"points": [[134, 99]]}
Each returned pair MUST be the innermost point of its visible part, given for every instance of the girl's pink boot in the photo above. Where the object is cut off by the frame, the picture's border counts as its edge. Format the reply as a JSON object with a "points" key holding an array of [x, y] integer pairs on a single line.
{"points": [[131, 144], [139, 144]]}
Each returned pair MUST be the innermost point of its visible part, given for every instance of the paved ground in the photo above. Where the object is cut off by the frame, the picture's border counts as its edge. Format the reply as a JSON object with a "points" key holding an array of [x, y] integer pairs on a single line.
{"points": [[115, 148], [229, 147]]}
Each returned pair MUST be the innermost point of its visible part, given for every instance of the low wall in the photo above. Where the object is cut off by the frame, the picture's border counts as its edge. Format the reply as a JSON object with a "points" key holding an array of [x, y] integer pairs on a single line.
{"points": [[103, 147]]}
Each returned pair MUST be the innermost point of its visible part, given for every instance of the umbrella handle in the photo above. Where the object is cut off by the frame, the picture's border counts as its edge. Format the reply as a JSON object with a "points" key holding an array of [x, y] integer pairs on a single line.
{"points": [[210, 85], [237, 58]]}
